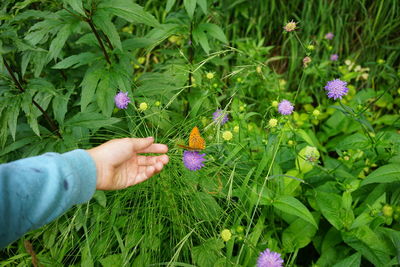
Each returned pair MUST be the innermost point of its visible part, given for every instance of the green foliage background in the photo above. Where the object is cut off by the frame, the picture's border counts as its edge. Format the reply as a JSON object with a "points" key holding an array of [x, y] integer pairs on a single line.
{"points": [[62, 62]]}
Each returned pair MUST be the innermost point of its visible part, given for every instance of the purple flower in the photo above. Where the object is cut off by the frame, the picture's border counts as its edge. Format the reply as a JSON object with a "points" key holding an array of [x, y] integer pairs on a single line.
{"points": [[220, 117], [285, 107], [193, 160], [336, 89], [122, 100], [334, 57], [269, 259], [329, 36]]}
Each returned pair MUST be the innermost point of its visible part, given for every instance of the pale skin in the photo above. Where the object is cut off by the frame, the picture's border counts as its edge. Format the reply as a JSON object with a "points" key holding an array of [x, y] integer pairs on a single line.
{"points": [[119, 162]]}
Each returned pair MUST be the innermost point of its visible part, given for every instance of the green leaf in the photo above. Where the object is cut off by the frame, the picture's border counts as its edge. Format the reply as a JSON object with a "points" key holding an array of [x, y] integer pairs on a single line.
{"points": [[355, 140], [102, 19], [206, 207], [351, 261], [129, 11], [190, 6], [170, 4], [207, 253], [294, 207], [105, 95], [91, 120], [76, 61], [200, 37], [89, 84], [386, 174], [298, 235], [330, 204], [112, 260], [60, 106], [203, 5], [101, 198], [77, 6], [58, 42], [214, 31], [13, 112]]}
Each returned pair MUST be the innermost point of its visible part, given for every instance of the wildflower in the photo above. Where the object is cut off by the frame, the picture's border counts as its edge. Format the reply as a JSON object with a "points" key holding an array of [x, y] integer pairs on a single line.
{"points": [[220, 117], [365, 76], [128, 29], [272, 123], [269, 258], [311, 47], [290, 142], [329, 36], [242, 108], [306, 61], [282, 82], [336, 89], [275, 103], [258, 69], [143, 106], [346, 158], [215, 85], [380, 61], [157, 103], [193, 160], [285, 107], [334, 57], [239, 80], [210, 75], [316, 112], [236, 129], [226, 235], [329, 47], [311, 154], [141, 60], [387, 210], [227, 135], [290, 26], [122, 100]]}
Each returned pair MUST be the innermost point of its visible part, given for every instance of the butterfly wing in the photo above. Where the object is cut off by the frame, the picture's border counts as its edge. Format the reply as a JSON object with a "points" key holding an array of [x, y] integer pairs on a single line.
{"points": [[196, 142]]}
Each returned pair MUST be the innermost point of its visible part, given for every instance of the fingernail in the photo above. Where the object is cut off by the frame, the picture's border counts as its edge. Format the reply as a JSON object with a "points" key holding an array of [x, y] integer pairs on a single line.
{"points": [[150, 137]]}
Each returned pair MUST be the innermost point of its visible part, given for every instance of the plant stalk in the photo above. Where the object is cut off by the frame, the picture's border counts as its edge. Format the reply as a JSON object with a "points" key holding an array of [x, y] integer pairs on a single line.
{"points": [[96, 33]]}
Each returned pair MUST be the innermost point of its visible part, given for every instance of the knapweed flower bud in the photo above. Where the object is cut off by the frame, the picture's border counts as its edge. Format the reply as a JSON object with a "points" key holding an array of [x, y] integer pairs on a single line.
{"points": [[236, 129], [258, 69], [272, 123], [290, 26], [387, 210], [275, 103], [311, 47], [210, 75], [227, 135], [141, 60], [226, 235], [157, 103], [316, 112], [306, 61], [143, 106], [380, 61]]}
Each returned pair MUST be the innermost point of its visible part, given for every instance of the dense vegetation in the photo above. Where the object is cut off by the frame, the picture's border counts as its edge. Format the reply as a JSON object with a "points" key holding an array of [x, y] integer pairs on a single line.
{"points": [[320, 185]]}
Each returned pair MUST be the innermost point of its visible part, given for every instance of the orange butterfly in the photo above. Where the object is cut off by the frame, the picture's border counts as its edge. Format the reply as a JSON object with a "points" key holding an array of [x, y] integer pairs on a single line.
{"points": [[196, 142]]}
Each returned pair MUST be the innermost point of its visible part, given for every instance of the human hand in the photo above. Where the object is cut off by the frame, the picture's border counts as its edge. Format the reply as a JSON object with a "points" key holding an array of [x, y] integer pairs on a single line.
{"points": [[119, 165]]}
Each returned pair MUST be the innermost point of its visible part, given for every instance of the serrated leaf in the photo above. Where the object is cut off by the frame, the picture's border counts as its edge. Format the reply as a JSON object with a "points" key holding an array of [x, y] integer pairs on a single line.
{"points": [[214, 31], [355, 140], [203, 5], [58, 42], [200, 37], [77, 6], [60, 106], [105, 95], [298, 235], [294, 207], [75, 61], [91, 120], [351, 261], [330, 204], [190, 6], [170, 4], [13, 112], [207, 253], [102, 20], [89, 84], [129, 11], [386, 174]]}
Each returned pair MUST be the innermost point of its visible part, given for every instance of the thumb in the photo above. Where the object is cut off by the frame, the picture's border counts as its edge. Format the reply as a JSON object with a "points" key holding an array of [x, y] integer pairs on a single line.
{"points": [[141, 143]]}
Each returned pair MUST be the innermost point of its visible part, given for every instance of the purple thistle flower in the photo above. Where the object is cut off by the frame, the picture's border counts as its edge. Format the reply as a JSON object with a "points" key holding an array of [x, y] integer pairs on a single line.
{"points": [[285, 107], [334, 57], [329, 36], [220, 117], [336, 89], [193, 160], [122, 100], [269, 259]]}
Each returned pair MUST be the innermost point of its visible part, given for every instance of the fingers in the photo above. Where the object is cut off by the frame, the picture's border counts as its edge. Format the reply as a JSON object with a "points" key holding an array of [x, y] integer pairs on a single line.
{"points": [[154, 148], [145, 172], [140, 144], [151, 160]]}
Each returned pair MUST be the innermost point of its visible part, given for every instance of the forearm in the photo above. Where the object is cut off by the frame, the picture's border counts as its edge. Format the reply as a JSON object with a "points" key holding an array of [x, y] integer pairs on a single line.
{"points": [[35, 191]]}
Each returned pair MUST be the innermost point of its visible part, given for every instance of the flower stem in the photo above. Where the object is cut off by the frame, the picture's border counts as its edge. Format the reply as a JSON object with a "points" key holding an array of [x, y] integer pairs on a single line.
{"points": [[96, 33]]}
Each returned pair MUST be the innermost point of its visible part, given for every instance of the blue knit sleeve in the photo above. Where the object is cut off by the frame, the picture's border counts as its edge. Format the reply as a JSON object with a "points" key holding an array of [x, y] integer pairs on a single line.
{"points": [[36, 190]]}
